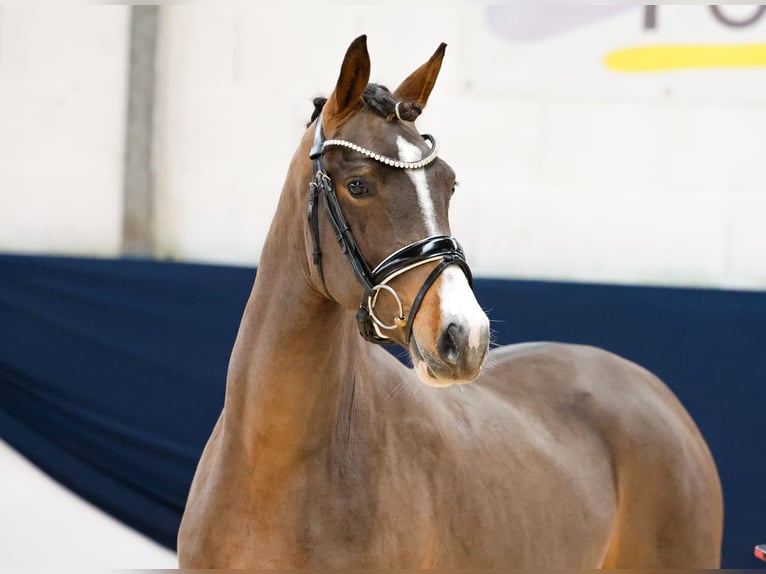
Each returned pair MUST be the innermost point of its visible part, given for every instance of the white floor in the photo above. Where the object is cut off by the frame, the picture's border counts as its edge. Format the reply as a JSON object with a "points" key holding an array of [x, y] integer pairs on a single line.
{"points": [[45, 526]]}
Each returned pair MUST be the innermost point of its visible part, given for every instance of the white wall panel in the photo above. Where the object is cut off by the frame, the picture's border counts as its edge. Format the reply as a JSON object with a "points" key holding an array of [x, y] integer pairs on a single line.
{"points": [[552, 146], [606, 142], [719, 147], [597, 235], [746, 261], [62, 107]]}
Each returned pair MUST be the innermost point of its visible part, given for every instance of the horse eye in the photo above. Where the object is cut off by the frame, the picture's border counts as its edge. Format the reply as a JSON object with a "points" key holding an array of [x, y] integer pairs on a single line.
{"points": [[356, 187], [454, 187]]}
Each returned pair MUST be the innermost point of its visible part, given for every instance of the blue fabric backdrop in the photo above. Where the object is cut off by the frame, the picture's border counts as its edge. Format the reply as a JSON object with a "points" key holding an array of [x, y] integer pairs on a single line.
{"points": [[112, 372]]}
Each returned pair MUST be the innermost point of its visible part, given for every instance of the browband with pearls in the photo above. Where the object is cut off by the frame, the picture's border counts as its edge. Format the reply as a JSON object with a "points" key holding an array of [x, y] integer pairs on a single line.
{"points": [[389, 160]]}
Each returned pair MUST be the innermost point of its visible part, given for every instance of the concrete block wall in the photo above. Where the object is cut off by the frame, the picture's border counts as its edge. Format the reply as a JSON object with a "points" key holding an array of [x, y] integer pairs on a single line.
{"points": [[569, 170]]}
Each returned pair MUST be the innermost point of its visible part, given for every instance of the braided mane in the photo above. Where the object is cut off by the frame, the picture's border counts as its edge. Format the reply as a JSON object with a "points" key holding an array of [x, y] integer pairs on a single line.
{"points": [[380, 100]]}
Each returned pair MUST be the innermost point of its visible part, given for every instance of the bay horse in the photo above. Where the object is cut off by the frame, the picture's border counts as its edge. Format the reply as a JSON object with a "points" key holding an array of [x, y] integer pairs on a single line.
{"points": [[331, 453]]}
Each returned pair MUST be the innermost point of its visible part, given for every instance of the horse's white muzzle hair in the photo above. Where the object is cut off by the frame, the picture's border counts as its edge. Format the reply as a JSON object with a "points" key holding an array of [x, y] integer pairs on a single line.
{"points": [[450, 336]]}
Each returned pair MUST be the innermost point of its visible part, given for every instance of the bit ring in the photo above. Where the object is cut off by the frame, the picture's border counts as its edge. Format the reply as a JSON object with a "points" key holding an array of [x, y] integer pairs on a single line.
{"points": [[399, 322]]}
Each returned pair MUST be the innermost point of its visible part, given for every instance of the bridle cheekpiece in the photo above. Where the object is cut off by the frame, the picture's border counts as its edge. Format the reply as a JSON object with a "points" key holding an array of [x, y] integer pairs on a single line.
{"points": [[444, 249]]}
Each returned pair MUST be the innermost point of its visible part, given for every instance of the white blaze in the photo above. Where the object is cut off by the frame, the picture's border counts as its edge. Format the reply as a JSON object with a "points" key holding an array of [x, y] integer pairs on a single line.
{"points": [[411, 152], [459, 304]]}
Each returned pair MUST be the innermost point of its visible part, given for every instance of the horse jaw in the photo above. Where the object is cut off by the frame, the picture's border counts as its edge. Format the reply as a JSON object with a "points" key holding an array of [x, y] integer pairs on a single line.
{"points": [[450, 335]]}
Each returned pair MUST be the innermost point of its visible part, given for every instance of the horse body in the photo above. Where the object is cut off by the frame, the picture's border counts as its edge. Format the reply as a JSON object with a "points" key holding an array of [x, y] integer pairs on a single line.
{"points": [[330, 453]]}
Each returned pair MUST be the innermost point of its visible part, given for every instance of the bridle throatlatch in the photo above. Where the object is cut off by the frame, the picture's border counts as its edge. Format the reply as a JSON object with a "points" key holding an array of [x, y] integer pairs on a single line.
{"points": [[446, 250]]}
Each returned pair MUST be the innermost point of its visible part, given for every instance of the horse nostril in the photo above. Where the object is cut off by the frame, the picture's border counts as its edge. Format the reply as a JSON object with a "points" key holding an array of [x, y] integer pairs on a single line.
{"points": [[449, 344]]}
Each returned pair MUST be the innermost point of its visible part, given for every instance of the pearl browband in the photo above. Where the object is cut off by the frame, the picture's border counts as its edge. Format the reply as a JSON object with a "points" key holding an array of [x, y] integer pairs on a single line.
{"points": [[389, 160]]}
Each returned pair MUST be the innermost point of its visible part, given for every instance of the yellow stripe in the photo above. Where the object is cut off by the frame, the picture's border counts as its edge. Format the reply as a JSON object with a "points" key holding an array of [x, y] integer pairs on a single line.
{"points": [[657, 58]]}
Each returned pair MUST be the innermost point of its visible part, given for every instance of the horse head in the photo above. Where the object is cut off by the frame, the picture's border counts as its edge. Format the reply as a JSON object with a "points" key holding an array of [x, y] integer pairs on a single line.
{"points": [[380, 191]]}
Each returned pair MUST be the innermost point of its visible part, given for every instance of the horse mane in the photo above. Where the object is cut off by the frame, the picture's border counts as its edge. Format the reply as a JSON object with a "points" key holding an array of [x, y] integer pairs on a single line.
{"points": [[380, 100]]}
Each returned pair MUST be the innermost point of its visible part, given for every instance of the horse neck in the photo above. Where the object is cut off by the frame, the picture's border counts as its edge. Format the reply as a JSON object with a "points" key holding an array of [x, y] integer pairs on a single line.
{"points": [[294, 350]]}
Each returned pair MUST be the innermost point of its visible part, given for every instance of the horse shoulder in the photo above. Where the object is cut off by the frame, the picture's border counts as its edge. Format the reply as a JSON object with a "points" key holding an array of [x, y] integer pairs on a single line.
{"points": [[214, 508], [194, 540]]}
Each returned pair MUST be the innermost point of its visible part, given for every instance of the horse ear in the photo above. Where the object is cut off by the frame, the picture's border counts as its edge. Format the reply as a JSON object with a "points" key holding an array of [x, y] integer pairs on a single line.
{"points": [[418, 85], [354, 75]]}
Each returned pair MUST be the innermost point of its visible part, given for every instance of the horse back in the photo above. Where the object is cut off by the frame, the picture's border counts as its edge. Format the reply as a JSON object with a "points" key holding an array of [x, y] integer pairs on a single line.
{"points": [[667, 489]]}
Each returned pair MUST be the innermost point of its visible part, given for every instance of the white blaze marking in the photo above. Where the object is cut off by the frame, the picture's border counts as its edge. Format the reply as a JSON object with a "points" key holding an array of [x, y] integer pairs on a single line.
{"points": [[459, 305], [411, 152]]}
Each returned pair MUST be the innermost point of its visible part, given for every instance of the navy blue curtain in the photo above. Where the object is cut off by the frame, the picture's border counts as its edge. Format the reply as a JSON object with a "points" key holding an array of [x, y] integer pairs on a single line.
{"points": [[112, 372]]}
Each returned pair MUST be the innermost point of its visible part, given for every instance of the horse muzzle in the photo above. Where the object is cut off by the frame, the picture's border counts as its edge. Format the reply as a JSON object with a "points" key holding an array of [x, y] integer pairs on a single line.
{"points": [[450, 335]]}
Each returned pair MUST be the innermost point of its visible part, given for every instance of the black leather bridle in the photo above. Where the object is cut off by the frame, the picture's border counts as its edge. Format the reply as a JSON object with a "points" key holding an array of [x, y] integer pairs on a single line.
{"points": [[444, 249]]}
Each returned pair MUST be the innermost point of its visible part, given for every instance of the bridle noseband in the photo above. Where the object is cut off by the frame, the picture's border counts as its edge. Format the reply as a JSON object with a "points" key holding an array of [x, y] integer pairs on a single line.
{"points": [[446, 250]]}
